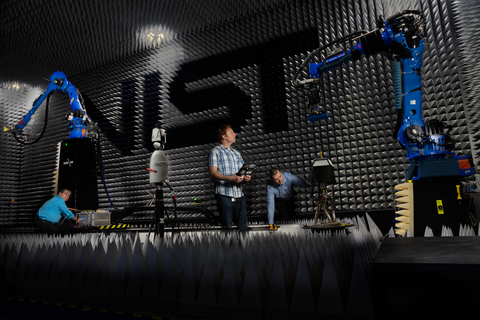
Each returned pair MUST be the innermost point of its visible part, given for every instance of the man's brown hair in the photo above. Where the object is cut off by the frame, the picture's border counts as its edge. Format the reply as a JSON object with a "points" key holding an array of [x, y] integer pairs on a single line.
{"points": [[222, 131], [273, 172]]}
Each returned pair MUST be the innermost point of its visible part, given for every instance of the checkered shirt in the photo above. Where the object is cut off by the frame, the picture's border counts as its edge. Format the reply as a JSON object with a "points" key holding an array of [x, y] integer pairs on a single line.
{"points": [[228, 162]]}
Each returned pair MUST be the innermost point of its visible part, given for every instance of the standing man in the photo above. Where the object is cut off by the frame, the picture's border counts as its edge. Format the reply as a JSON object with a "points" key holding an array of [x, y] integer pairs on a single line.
{"points": [[51, 212], [280, 192], [224, 163]]}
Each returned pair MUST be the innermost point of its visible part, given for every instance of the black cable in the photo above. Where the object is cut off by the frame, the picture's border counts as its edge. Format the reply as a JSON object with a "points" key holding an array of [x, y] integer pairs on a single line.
{"points": [[398, 125], [473, 219], [168, 217], [44, 125], [151, 225], [82, 103], [175, 211], [176, 223], [435, 143], [344, 39], [102, 169]]}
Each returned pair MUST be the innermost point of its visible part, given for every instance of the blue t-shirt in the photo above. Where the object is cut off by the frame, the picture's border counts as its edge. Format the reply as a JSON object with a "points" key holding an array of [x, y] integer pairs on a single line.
{"points": [[54, 209]]}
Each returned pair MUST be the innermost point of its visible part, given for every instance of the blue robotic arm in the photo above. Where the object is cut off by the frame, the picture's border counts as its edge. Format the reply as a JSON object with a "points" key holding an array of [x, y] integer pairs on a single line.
{"points": [[80, 125], [399, 38]]}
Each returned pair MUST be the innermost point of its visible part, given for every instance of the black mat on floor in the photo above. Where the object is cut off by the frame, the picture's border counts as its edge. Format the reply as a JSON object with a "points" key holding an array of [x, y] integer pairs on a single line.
{"points": [[427, 277]]}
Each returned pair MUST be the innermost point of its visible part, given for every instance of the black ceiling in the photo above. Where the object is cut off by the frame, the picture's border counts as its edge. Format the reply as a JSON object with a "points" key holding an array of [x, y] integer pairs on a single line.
{"points": [[39, 37]]}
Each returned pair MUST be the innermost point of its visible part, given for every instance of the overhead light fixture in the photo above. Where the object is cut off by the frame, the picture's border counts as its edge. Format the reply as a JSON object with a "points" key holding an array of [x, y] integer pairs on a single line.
{"points": [[155, 37], [13, 86]]}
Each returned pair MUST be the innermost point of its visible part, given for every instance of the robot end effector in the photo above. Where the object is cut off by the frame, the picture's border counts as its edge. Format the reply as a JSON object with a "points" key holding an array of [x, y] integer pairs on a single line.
{"points": [[402, 32]]}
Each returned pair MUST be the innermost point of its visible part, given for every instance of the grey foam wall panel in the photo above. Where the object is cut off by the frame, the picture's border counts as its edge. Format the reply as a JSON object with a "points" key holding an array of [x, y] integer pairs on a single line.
{"points": [[239, 72]]}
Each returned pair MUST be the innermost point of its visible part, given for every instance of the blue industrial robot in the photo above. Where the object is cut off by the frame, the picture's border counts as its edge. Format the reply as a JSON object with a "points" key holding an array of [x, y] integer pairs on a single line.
{"points": [[79, 123], [400, 38], [84, 151]]}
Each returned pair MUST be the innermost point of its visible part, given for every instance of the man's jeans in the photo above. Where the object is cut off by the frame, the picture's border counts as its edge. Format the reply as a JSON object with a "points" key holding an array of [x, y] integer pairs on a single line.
{"points": [[232, 211]]}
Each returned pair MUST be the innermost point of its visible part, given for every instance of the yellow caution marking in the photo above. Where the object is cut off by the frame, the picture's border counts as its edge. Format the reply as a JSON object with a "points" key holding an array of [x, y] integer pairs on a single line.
{"points": [[440, 207], [459, 194]]}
